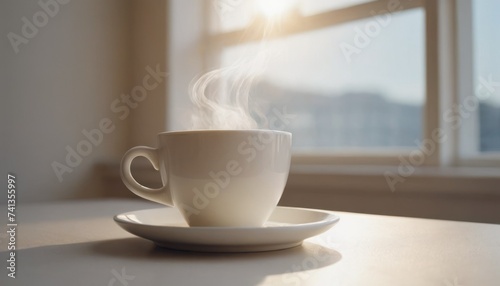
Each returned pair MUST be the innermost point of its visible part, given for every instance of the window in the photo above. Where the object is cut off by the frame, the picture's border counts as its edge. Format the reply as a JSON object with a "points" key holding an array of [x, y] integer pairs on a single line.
{"points": [[338, 72], [366, 79]]}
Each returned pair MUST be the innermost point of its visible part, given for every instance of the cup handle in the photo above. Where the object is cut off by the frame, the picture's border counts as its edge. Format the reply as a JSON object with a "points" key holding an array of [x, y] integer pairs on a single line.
{"points": [[161, 195]]}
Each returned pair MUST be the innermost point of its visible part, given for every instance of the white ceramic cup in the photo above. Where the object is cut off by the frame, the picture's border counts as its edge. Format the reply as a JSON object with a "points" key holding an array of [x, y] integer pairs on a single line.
{"points": [[217, 177]]}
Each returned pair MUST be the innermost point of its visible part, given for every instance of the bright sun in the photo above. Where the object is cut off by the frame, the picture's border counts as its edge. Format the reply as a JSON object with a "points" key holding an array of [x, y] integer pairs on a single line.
{"points": [[274, 8]]}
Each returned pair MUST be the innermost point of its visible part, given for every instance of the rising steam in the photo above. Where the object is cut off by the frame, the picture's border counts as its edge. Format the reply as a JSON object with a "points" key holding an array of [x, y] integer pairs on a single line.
{"points": [[221, 97], [222, 105]]}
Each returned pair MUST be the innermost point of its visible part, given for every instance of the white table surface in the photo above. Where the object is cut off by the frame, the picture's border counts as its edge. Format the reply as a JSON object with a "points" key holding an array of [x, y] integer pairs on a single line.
{"points": [[78, 243]]}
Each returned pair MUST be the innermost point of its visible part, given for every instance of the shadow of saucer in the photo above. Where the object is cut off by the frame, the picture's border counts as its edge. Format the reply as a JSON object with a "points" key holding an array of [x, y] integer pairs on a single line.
{"points": [[238, 268]]}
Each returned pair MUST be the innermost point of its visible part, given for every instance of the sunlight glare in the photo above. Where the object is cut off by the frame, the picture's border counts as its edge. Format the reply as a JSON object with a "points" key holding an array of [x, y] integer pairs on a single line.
{"points": [[274, 8]]}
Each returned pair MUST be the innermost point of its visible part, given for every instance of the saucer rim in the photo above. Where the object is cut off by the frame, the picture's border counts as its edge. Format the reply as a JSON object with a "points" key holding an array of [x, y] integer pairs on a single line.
{"points": [[330, 219]]}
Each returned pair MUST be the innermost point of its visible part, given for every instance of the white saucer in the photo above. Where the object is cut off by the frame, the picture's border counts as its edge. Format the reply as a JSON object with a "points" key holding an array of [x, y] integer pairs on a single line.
{"points": [[287, 227]]}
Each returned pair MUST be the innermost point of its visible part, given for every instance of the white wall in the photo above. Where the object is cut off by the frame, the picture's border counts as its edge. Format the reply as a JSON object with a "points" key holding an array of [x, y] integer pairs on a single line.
{"points": [[149, 48], [58, 84]]}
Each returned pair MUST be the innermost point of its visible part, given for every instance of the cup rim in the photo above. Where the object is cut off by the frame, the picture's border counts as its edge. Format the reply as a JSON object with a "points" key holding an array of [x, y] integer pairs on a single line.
{"points": [[197, 131]]}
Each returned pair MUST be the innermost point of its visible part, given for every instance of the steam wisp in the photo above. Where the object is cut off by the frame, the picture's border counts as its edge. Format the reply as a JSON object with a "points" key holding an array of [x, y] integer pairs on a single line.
{"points": [[221, 97]]}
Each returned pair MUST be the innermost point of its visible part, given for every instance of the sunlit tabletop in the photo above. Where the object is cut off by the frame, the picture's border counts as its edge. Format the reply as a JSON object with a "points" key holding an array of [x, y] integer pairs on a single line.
{"points": [[78, 243]]}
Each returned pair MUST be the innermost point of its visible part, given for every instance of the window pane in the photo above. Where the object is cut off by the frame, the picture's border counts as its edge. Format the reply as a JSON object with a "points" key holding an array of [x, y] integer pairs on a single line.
{"points": [[486, 21], [347, 89]]}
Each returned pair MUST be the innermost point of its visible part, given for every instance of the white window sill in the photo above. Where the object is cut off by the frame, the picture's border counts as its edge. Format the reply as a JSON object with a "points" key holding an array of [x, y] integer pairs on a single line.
{"points": [[473, 181]]}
